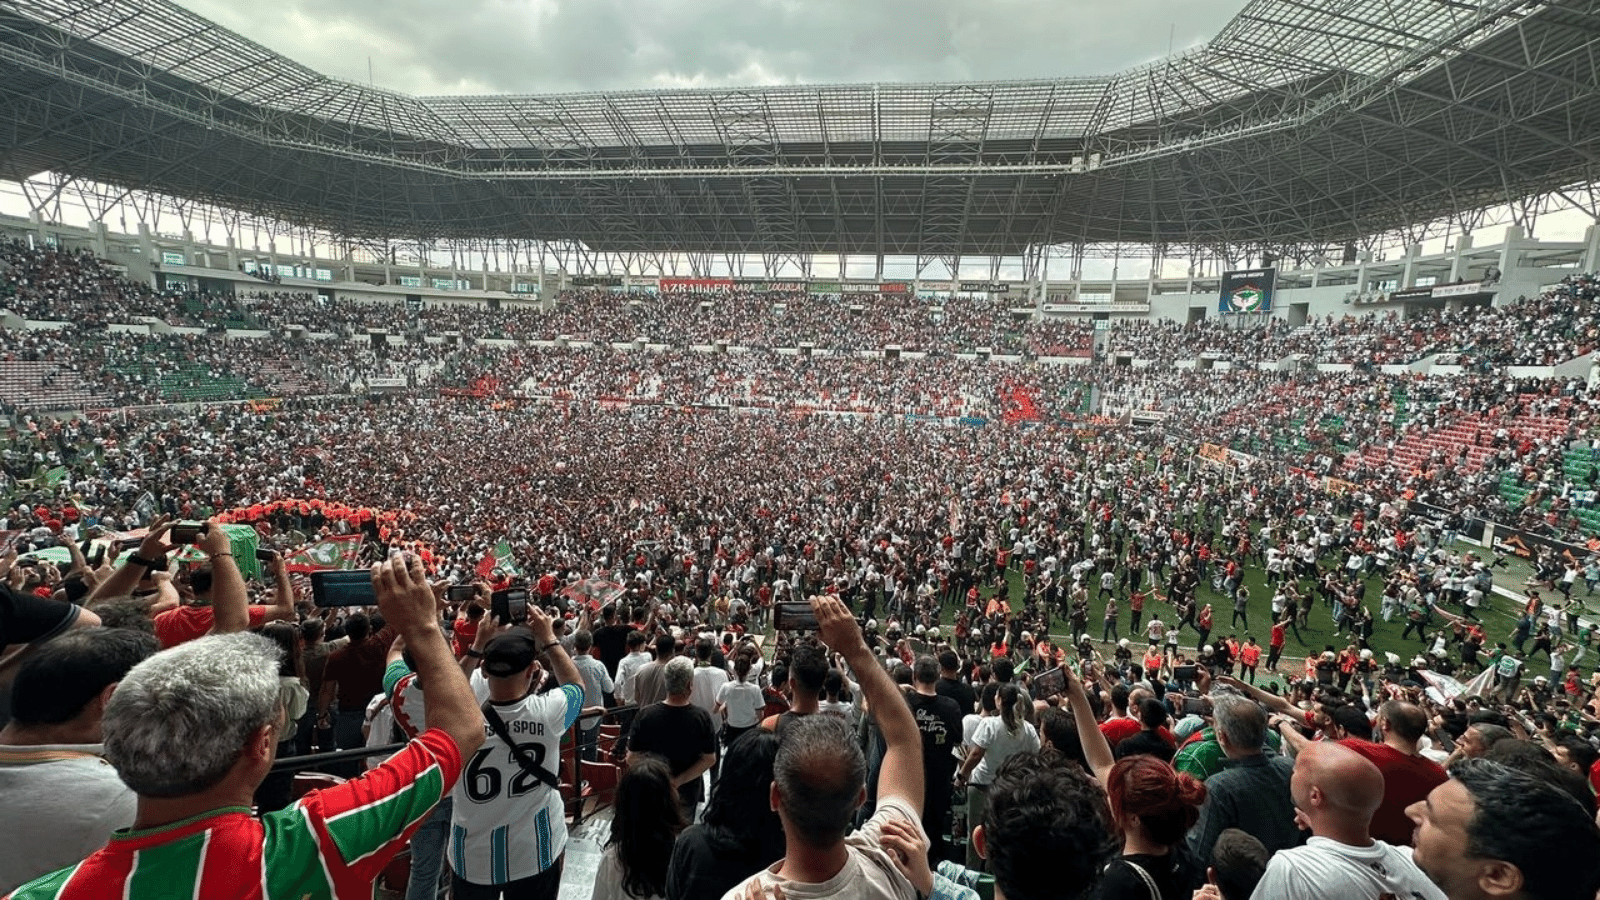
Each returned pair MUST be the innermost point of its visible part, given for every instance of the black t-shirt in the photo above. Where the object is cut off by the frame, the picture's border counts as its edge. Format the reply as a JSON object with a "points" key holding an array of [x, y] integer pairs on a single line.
{"points": [[939, 720], [680, 735], [1147, 742], [962, 693], [1170, 873], [707, 862], [613, 643]]}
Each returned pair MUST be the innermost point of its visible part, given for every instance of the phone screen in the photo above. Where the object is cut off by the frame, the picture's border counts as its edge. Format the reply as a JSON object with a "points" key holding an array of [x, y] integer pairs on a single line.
{"points": [[1048, 684], [796, 616], [509, 606], [343, 588]]}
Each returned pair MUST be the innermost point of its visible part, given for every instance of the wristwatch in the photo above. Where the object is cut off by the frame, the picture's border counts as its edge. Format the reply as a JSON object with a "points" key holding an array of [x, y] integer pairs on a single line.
{"points": [[475, 654]]}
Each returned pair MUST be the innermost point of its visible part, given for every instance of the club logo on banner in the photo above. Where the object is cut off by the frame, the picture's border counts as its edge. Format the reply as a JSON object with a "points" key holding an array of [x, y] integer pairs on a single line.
{"points": [[1248, 291]]}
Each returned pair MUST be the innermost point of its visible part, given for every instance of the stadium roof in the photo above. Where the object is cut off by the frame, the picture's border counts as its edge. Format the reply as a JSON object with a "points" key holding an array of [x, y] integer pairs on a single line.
{"points": [[1308, 122]]}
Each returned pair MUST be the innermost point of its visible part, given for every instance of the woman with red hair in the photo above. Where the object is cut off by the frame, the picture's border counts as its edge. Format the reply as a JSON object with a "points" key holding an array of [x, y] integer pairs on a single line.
{"points": [[1153, 806]]}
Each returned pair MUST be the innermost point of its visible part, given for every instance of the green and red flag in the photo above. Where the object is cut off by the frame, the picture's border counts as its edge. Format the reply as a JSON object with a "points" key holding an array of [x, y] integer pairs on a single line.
{"points": [[338, 552], [497, 563]]}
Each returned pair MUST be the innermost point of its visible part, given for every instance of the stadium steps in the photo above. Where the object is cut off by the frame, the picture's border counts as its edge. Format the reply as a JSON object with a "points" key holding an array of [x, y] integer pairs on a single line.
{"points": [[22, 385]]}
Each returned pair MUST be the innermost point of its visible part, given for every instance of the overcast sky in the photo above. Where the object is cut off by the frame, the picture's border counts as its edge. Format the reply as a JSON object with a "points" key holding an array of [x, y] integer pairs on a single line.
{"points": [[544, 46]]}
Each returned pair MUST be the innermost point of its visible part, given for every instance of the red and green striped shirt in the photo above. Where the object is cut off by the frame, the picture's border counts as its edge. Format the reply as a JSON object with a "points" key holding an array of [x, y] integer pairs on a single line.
{"points": [[331, 844]]}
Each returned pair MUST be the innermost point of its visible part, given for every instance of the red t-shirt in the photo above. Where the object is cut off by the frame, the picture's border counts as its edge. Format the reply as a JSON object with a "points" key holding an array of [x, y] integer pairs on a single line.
{"points": [[1278, 635], [186, 623], [1406, 780], [1250, 654], [1119, 730]]}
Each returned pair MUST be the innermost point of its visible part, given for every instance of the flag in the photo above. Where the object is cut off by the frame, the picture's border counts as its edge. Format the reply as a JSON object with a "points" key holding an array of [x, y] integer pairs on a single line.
{"points": [[497, 562], [338, 552], [145, 506], [594, 592], [55, 476]]}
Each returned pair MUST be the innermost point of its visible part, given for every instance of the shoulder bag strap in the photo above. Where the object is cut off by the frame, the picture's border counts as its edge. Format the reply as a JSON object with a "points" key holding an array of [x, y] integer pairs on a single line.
{"points": [[492, 716]]}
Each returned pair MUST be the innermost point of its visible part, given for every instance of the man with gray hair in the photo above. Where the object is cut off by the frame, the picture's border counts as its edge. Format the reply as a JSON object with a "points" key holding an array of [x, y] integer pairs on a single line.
{"points": [[194, 730], [678, 731], [819, 780], [1251, 793]]}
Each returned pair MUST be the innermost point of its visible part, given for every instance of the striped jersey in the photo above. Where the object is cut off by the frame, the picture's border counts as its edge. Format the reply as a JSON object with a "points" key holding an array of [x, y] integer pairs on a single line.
{"points": [[505, 823], [333, 843], [406, 700]]}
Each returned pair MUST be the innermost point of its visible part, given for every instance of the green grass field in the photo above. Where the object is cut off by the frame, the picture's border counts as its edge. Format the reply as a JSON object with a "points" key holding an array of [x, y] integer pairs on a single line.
{"points": [[1498, 615]]}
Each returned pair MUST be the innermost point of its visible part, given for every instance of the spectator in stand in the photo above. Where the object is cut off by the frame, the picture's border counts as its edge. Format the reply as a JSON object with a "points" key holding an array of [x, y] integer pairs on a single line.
{"points": [[1251, 793], [1336, 791], [643, 831], [820, 781], [217, 698], [1046, 832], [996, 740], [508, 833], [353, 676], [680, 732], [740, 833], [597, 687], [1495, 831], [59, 799], [939, 721]]}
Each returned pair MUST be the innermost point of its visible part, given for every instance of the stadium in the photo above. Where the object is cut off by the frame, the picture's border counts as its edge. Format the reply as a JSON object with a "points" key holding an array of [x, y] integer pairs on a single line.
{"points": [[1032, 382]]}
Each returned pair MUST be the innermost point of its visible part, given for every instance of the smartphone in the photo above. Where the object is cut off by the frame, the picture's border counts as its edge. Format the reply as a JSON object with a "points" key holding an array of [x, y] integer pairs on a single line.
{"points": [[510, 606], [461, 593], [186, 532], [343, 588], [794, 616], [1048, 684], [1185, 673], [129, 543], [265, 555], [1196, 706]]}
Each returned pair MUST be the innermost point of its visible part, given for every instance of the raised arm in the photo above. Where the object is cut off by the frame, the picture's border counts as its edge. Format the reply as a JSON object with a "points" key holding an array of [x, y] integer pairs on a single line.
{"points": [[1096, 749], [282, 608], [407, 603], [229, 600], [565, 670], [1272, 702], [901, 774], [126, 577]]}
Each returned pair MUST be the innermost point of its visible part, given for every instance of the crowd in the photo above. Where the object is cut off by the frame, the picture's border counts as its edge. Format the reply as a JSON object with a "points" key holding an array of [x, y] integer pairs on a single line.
{"points": [[1561, 323], [909, 658]]}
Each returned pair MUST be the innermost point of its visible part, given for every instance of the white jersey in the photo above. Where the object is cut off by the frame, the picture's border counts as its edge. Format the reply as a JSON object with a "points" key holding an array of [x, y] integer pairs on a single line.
{"points": [[507, 824], [1325, 869]]}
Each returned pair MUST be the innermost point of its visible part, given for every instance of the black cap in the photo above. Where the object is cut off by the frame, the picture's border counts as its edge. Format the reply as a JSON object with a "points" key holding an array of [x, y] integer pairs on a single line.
{"points": [[510, 653]]}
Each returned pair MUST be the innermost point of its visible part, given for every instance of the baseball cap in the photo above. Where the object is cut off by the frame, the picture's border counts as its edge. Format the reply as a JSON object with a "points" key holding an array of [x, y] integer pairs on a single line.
{"points": [[510, 653]]}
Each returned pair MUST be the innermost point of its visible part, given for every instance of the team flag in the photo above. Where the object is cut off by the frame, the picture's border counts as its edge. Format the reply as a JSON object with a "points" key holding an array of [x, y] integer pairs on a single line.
{"points": [[498, 562], [338, 552]]}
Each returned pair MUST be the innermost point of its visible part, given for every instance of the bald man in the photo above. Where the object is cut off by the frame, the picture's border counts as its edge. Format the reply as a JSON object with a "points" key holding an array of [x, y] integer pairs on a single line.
{"points": [[1335, 792]]}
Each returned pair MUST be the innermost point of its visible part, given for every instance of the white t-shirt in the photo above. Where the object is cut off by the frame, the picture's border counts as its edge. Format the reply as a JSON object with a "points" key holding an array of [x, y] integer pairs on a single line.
{"points": [[868, 872], [507, 824], [1000, 745], [1324, 869], [625, 669], [707, 681], [743, 701]]}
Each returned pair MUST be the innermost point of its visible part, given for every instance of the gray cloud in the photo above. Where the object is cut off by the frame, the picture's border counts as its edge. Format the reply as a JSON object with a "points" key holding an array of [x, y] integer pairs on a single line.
{"points": [[546, 46]]}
